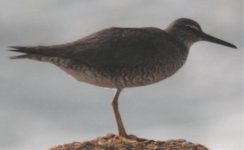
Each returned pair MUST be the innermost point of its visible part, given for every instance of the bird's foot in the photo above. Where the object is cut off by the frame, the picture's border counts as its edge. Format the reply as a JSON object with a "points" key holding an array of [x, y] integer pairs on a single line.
{"points": [[130, 139]]}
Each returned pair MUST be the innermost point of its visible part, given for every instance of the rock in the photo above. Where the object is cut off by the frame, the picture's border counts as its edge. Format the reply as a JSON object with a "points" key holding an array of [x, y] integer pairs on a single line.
{"points": [[114, 142]]}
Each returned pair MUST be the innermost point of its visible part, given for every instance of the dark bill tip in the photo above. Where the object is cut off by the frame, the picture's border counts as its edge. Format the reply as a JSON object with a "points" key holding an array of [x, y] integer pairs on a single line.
{"points": [[210, 38]]}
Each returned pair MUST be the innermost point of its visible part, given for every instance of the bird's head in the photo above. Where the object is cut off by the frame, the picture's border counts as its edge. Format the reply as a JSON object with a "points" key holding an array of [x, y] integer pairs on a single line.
{"points": [[188, 31]]}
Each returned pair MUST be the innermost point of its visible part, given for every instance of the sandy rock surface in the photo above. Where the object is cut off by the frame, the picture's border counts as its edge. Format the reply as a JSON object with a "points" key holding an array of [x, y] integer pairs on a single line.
{"points": [[114, 142]]}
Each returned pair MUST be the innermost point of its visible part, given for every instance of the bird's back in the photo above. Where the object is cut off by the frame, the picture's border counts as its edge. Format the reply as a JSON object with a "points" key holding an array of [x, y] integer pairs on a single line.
{"points": [[120, 46]]}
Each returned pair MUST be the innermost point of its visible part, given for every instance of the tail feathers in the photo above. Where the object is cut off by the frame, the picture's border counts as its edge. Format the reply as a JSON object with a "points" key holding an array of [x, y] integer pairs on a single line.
{"points": [[25, 49], [40, 53], [30, 52], [22, 49], [32, 56], [19, 57], [41, 50]]}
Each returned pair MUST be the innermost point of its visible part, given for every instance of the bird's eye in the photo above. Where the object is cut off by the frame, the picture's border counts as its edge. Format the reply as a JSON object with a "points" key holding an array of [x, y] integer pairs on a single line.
{"points": [[188, 28]]}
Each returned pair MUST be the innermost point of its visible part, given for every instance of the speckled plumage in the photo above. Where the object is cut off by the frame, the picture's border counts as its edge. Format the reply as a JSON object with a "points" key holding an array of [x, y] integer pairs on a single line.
{"points": [[124, 57]]}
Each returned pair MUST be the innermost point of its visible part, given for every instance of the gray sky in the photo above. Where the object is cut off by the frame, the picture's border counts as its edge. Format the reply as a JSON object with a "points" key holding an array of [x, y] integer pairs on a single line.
{"points": [[41, 106]]}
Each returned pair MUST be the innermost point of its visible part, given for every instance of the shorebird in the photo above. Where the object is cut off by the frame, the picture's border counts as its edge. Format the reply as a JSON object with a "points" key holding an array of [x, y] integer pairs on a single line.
{"points": [[124, 57]]}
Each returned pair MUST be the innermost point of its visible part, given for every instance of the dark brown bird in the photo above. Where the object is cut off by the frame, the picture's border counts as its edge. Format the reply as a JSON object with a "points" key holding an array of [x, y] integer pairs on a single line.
{"points": [[124, 57]]}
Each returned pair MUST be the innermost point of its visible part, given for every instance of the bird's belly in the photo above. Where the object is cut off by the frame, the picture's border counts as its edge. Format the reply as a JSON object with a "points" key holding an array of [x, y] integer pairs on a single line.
{"points": [[90, 76], [122, 77]]}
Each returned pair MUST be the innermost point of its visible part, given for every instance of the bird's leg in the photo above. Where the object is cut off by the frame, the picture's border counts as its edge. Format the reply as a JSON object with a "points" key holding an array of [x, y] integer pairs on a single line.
{"points": [[119, 122]]}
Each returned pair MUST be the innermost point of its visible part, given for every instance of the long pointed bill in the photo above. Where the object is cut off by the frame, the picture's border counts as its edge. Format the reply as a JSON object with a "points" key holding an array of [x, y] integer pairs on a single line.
{"points": [[210, 38]]}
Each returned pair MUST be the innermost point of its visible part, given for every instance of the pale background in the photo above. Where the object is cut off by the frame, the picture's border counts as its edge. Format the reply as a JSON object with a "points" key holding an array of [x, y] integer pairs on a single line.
{"points": [[41, 106]]}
